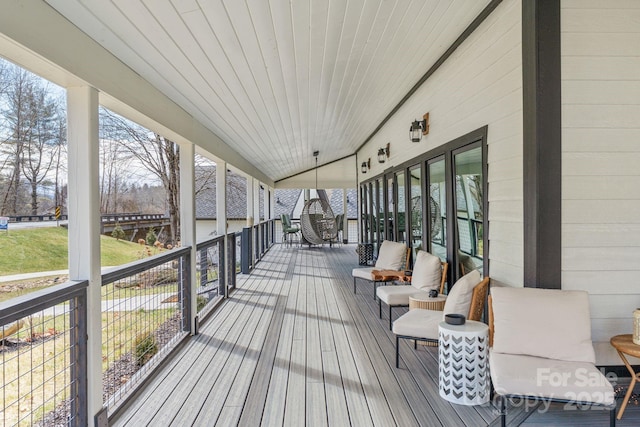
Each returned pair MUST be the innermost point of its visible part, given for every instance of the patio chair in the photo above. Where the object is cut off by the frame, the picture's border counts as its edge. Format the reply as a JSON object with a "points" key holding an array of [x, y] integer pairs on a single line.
{"points": [[289, 231], [391, 256], [428, 273], [541, 348], [467, 296]]}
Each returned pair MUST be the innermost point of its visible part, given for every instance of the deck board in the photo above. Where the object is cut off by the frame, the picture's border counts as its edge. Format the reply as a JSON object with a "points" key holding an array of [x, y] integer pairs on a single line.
{"points": [[294, 346]]}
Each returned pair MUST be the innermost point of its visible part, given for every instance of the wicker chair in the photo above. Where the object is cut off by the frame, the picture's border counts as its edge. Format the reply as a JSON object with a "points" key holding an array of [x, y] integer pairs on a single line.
{"points": [[468, 295]]}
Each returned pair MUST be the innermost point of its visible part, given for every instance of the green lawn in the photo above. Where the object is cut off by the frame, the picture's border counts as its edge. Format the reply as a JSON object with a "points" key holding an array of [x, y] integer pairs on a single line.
{"points": [[45, 249]]}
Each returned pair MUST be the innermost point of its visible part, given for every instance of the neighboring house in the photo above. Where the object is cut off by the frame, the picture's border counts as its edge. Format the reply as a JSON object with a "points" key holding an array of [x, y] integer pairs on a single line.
{"points": [[286, 201]]}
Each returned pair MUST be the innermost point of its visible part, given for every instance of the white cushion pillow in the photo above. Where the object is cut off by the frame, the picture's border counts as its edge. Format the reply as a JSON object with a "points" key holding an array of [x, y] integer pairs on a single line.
{"points": [[427, 272], [459, 298], [542, 322], [391, 256]]}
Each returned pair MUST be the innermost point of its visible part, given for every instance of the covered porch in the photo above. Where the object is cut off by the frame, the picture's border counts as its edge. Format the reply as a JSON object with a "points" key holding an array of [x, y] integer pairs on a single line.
{"points": [[294, 346]]}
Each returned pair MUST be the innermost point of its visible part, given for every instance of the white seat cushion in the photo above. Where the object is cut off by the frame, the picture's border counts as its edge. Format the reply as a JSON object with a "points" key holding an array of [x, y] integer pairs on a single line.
{"points": [[391, 256], [398, 295], [418, 323], [363, 273], [427, 271], [459, 298], [546, 323], [557, 379]]}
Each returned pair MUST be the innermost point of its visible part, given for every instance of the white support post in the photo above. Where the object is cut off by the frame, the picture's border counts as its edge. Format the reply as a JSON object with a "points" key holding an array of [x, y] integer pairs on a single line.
{"points": [[188, 218], [250, 208], [84, 225], [221, 214], [272, 212], [256, 214], [251, 215], [345, 218], [272, 203]]}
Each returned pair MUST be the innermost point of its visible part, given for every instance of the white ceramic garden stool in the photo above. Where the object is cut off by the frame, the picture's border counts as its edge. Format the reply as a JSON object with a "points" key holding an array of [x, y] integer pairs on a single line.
{"points": [[463, 360]]}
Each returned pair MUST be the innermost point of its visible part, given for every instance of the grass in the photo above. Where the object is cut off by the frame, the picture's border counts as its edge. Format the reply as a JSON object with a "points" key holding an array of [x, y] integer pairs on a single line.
{"points": [[46, 249]]}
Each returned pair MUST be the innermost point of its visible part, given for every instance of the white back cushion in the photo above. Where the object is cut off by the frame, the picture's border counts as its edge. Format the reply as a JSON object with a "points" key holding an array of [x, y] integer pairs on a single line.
{"points": [[459, 298], [391, 256], [542, 322], [427, 271]]}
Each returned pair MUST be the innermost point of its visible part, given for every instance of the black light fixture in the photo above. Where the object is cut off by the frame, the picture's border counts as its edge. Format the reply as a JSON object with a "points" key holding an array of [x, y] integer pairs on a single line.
{"points": [[383, 153], [419, 128], [365, 166]]}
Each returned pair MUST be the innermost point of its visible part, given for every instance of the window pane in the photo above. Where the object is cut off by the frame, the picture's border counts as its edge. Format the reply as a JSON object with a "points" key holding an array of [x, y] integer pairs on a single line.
{"points": [[416, 209], [469, 205], [400, 207], [437, 210]]}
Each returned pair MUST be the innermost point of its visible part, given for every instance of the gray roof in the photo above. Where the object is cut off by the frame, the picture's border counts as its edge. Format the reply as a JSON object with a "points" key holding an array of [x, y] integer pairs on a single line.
{"points": [[285, 199], [337, 202], [206, 195]]}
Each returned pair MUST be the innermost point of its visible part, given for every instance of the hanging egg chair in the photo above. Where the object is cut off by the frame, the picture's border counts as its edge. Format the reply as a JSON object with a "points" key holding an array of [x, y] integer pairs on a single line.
{"points": [[318, 222]]}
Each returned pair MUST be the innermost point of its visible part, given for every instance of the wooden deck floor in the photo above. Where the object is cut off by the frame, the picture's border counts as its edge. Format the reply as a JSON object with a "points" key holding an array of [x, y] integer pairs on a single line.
{"points": [[294, 346]]}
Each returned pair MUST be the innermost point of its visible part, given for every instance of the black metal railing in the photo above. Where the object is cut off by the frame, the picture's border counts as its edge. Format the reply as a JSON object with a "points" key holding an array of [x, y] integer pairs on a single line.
{"points": [[146, 310], [43, 353], [211, 273], [255, 242]]}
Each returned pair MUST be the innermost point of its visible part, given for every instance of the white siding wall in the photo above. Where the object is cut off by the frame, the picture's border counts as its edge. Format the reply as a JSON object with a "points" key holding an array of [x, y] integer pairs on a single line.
{"points": [[601, 154], [480, 84]]}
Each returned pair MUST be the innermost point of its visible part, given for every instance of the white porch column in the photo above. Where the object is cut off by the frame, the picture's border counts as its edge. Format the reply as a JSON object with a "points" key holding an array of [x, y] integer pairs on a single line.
{"points": [[272, 203], [250, 202], [256, 215], [221, 211], [188, 216], [345, 219], [84, 225], [250, 214], [221, 198], [256, 201]]}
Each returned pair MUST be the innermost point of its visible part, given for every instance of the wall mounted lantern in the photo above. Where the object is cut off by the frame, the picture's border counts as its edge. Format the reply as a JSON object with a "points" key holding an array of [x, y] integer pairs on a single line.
{"points": [[383, 153], [365, 166], [419, 128]]}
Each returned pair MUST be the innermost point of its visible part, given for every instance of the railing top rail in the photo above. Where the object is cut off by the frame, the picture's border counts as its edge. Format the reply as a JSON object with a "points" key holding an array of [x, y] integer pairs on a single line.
{"points": [[24, 305], [136, 267], [209, 242]]}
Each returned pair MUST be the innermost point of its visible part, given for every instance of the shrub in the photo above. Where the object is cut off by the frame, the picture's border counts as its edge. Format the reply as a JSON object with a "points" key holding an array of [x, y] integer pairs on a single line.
{"points": [[151, 237], [146, 347], [201, 302], [118, 232]]}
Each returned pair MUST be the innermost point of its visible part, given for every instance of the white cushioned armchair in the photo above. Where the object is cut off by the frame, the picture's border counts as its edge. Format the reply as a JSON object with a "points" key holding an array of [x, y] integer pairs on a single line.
{"points": [[428, 273], [391, 256], [541, 348], [467, 296]]}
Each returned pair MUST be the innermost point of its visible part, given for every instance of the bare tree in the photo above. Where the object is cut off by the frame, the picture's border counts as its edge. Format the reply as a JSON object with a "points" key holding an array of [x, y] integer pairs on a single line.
{"points": [[155, 153], [41, 143], [19, 97], [61, 149]]}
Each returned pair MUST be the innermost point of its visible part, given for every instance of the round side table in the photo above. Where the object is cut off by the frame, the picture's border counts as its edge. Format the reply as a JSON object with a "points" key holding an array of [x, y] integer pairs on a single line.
{"points": [[427, 303], [463, 363], [624, 345]]}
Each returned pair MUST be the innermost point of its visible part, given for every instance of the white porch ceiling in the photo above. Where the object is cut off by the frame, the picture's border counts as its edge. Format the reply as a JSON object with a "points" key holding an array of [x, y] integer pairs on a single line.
{"points": [[277, 80]]}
